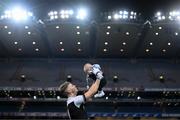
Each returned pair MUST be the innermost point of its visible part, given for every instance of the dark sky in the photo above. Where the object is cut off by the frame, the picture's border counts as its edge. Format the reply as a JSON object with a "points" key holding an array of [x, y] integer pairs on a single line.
{"points": [[146, 7]]}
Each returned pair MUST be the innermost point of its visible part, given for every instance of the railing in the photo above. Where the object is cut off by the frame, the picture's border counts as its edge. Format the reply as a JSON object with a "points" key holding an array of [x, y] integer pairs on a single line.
{"points": [[64, 115], [83, 88]]}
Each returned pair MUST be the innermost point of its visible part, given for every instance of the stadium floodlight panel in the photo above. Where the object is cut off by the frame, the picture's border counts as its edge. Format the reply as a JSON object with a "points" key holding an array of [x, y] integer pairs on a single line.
{"points": [[82, 14], [159, 18], [125, 16], [17, 13], [62, 14], [158, 14], [132, 13], [125, 13], [71, 12], [66, 12], [163, 17], [120, 12], [174, 13], [109, 17], [116, 16]]}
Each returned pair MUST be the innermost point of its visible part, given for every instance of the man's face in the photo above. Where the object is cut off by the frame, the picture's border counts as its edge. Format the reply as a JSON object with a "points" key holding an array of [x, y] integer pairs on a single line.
{"points": [[88, 68], [72, 89]]}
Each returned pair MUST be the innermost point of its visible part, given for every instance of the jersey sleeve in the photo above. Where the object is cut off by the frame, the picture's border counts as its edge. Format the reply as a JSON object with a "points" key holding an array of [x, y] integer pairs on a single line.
{"points": [[79, 100]]}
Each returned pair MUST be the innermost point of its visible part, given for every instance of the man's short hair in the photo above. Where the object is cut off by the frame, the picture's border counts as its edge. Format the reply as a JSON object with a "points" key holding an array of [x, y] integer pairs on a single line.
{"points": [[85, 65], [63, 88]]}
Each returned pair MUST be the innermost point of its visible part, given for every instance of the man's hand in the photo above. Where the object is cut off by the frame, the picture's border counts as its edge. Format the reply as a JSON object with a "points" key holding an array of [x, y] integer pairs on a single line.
{"points": [[99, 75], [96, 69]]}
